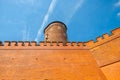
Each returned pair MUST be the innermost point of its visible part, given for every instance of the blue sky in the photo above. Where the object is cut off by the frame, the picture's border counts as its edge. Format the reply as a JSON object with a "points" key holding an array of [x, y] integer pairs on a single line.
{"points": [[25, 20]]}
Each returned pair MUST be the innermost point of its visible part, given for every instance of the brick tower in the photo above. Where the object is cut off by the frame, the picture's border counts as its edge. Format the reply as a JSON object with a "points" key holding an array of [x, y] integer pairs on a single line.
{"points": [[55, 31]]}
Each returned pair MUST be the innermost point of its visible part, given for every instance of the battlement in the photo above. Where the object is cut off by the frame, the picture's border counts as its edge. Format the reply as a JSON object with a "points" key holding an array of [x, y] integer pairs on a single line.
{"points": [[90, 44], [41, 45], [30, 59], [104, 38], [106, 48]]}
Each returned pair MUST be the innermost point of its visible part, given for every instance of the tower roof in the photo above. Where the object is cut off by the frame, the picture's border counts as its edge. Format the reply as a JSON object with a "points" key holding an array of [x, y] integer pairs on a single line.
{"points": [[55, 22]]}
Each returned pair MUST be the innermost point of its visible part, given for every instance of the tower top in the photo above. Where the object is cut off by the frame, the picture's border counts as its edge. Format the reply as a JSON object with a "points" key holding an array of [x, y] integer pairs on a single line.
{"points": [[56, 31], [55, 22]]}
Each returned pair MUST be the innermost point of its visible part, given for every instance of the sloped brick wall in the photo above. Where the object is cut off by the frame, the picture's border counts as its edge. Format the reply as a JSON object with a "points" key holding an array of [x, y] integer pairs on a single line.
{"points": [[107, 53]]}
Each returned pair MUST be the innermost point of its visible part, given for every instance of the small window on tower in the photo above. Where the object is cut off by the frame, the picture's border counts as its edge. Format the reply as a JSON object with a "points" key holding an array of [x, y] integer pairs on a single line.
{"points": [[46, 37]]}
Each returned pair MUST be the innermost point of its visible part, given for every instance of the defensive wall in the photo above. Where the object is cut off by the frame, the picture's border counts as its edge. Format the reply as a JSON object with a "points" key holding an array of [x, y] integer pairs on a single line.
{"points": [[106, 51], [49, 60]]}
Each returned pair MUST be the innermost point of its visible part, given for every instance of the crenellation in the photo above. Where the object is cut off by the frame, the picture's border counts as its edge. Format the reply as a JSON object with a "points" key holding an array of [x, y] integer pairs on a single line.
{"points": [[105, 36], [73, 43], [7, 43], [1, 44], [116, 31], [89, 43], [27, 43], [57, 43], [33, 43], [48, 43], [69, 44], [53, 43], [80, 44], [64, 43], [98, 39], [20, 43], [60, 43], [42, 43], [13, 43]]}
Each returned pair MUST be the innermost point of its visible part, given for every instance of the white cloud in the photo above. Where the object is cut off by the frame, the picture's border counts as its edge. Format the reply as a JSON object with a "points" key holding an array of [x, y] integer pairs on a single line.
{"points": [[118, 4], [50, 9], [25, 33], [77, 6], [15, 21], [118, 14], [28, 35]]}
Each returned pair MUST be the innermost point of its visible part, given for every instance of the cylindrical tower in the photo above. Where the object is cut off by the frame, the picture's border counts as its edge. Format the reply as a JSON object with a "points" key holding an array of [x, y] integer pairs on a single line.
{"points": [[55, 31]]}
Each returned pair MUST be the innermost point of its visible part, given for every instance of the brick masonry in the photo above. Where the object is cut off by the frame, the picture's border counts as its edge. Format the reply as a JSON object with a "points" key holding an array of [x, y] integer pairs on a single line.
{"points": [[61, 60]]}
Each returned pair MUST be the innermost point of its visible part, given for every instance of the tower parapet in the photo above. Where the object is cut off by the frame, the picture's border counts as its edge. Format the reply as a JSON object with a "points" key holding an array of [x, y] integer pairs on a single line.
{"points": [[40, 44], [104, 38], [106, 48]]}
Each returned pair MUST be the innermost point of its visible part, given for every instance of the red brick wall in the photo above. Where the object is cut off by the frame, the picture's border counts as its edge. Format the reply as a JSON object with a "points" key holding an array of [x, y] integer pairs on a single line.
{"points": [[48, 62], [107, 54]]}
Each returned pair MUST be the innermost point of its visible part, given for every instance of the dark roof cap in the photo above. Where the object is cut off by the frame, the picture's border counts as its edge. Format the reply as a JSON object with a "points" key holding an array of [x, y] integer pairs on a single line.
{"points": [[55, 22]]}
